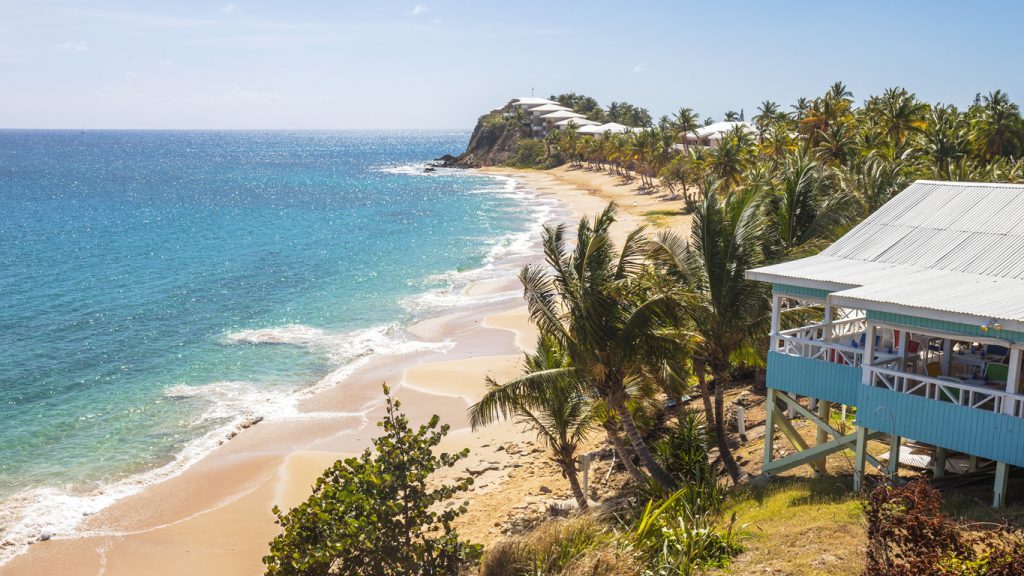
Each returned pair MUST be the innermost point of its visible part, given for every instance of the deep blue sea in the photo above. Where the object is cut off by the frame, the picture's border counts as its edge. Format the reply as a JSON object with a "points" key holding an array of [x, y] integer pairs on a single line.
{"points": [[143, 272]]}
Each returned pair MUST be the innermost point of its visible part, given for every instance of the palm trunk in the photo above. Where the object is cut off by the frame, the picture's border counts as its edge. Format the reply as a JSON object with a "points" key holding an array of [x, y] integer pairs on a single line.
{"points": [[705, 395], [569, 469], [623, 451], [662, 477], [723, 443]]}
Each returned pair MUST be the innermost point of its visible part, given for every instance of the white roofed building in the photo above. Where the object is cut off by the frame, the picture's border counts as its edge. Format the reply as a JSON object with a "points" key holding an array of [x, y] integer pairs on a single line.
{"points": [[922, 329], [712, 134]]}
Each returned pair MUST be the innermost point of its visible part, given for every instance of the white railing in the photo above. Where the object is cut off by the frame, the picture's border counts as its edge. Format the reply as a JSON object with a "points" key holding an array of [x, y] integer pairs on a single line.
{"points": [[815, 349], [948, 390], [840, 328]]}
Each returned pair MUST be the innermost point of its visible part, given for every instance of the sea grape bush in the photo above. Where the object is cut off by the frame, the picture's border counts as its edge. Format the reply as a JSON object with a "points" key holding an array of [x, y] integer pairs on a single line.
{"points": [[379, 514]]}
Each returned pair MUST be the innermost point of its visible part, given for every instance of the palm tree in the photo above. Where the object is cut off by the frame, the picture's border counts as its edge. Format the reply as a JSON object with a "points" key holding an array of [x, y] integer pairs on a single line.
{"points": [[589, 302], [559, 414], [805, 209], [900, 113], [996, 129], [723, 310], [945, 139], [873, 182], [836, 144], [732, 156], [685, 121], [768, 113]]}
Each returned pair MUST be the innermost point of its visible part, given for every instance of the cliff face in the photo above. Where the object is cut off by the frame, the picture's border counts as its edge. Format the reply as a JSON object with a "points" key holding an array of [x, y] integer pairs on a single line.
{"points": [[493, 140]]}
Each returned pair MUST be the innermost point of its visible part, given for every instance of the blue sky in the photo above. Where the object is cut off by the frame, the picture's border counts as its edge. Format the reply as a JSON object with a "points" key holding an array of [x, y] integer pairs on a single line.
{"points": [[440, 64]]}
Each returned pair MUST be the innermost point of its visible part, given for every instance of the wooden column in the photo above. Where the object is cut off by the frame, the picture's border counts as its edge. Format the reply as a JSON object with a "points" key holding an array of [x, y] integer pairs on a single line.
{"points": [[769, 425], [824, 413], [1002, 476], [939, 464], [894, 457], [776, 319], [1012, 379], [947, 356], [869, 351], [860, 458]]}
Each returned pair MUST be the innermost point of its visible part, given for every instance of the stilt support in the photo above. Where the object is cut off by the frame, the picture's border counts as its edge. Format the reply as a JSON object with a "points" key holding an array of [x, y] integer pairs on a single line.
{"points": [[1002, 476], [860, 457], [939, 463], [894, 457]]}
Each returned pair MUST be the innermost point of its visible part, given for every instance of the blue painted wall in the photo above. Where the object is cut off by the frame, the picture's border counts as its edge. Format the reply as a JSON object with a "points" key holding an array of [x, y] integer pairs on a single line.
{"points": [[978, 432], [815, 378]]}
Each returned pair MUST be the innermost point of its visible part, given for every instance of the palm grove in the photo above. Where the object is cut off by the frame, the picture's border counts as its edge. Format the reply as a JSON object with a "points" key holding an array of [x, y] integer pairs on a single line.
{"points": [[623, 327]]}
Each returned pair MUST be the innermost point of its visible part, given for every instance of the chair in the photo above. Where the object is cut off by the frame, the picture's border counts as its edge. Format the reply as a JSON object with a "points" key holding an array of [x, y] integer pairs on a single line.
{"points": [[933, 369], [996, 351], [996, 371]]}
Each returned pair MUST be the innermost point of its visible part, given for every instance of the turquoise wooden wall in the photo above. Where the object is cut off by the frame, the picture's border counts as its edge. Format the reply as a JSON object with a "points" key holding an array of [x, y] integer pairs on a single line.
{"points": [[943, 326], [970, 430], [815, 378], [798, 291]]}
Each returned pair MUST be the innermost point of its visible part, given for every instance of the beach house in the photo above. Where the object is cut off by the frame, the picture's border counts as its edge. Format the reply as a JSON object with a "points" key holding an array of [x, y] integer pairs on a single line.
{"points": [[712, 134], [916, 318]]}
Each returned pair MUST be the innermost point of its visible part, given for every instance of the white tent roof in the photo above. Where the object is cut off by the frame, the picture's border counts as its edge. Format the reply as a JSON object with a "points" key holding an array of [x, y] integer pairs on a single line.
{"points": [[946, 250], [548, 108], [580, 122], [590, 129], [562, 115]]}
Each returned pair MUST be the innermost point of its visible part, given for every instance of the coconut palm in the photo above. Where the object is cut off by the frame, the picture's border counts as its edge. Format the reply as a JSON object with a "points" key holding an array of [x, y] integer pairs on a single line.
{"points": [[685, 121], [899, 114], [945, 139], [547, 400], [873, 182], [996, 128], [591, 304], [806, 208], [723, 310], [732, 156]]}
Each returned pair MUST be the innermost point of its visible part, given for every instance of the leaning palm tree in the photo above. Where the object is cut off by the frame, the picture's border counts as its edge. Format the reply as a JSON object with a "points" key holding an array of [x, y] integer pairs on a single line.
{"points": [[592, 304], [548, 400], [723, 310]]}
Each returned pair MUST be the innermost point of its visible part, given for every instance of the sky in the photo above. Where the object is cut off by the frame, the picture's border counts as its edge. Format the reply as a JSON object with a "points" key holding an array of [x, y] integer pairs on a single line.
{"points": [[335, 64]]}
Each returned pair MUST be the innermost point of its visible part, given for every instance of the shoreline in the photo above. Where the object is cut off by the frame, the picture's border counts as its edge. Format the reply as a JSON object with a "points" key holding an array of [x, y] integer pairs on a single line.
{"points": [[214, 517]]}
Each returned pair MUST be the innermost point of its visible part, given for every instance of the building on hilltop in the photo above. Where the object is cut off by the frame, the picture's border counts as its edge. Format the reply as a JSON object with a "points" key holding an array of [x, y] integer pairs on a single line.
{"points": [[922, 330]]}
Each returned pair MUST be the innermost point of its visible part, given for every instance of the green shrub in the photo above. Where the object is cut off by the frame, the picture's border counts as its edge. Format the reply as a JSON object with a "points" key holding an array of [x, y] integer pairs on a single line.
{"points": [[375, 515], [528, 153], [683, 451], [678, 536]]}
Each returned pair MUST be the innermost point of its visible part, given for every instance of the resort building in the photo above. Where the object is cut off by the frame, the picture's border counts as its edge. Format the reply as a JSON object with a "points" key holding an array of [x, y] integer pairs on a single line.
{"points": [[918, 323], [712, 134]]}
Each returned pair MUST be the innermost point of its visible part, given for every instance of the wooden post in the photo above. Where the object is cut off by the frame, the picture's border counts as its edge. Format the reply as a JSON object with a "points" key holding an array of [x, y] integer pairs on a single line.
{"points": [[894, 457], [860, 458], [972, 463], [939, 463], [828, 320], [1012, 379], [741, 420], [776, 319], [824, 413], [902, 348], [1002, 476], [769, 425], [789, 409], [947, 356], [869, 352], [585, 467]]}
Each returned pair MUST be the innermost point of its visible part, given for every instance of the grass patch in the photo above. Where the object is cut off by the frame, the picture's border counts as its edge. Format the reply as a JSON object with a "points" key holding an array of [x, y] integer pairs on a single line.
{"points": [[669, 213], [798, 526]]}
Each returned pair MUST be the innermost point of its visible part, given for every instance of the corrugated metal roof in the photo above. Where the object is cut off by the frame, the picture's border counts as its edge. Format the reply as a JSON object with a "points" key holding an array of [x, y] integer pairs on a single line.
{"points": [[949, 246]]}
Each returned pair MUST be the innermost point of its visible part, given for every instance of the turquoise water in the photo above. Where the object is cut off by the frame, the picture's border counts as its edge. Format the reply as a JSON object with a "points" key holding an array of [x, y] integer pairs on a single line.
{"points": [[142, 275]]}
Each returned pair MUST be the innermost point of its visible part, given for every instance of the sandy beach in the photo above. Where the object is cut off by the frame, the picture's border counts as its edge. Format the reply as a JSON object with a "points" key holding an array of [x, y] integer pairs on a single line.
{"points": [[215, 517]]}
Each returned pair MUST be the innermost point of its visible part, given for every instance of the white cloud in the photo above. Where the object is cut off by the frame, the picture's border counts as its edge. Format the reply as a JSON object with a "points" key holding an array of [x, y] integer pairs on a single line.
{"points": [[229, 8], [74, 46], [640, 67], [419, 9]]}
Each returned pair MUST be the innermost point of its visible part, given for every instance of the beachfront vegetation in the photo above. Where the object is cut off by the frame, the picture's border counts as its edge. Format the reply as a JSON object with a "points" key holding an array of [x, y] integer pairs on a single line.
{"points": [[379, 514]]}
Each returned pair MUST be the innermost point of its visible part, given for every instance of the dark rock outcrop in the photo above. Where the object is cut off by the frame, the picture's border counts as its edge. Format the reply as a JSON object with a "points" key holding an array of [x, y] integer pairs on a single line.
{"points": [[493, 140]]}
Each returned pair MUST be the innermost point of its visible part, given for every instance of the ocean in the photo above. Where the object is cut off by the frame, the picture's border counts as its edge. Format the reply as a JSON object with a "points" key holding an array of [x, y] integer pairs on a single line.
{"points": [[160, 287]]}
